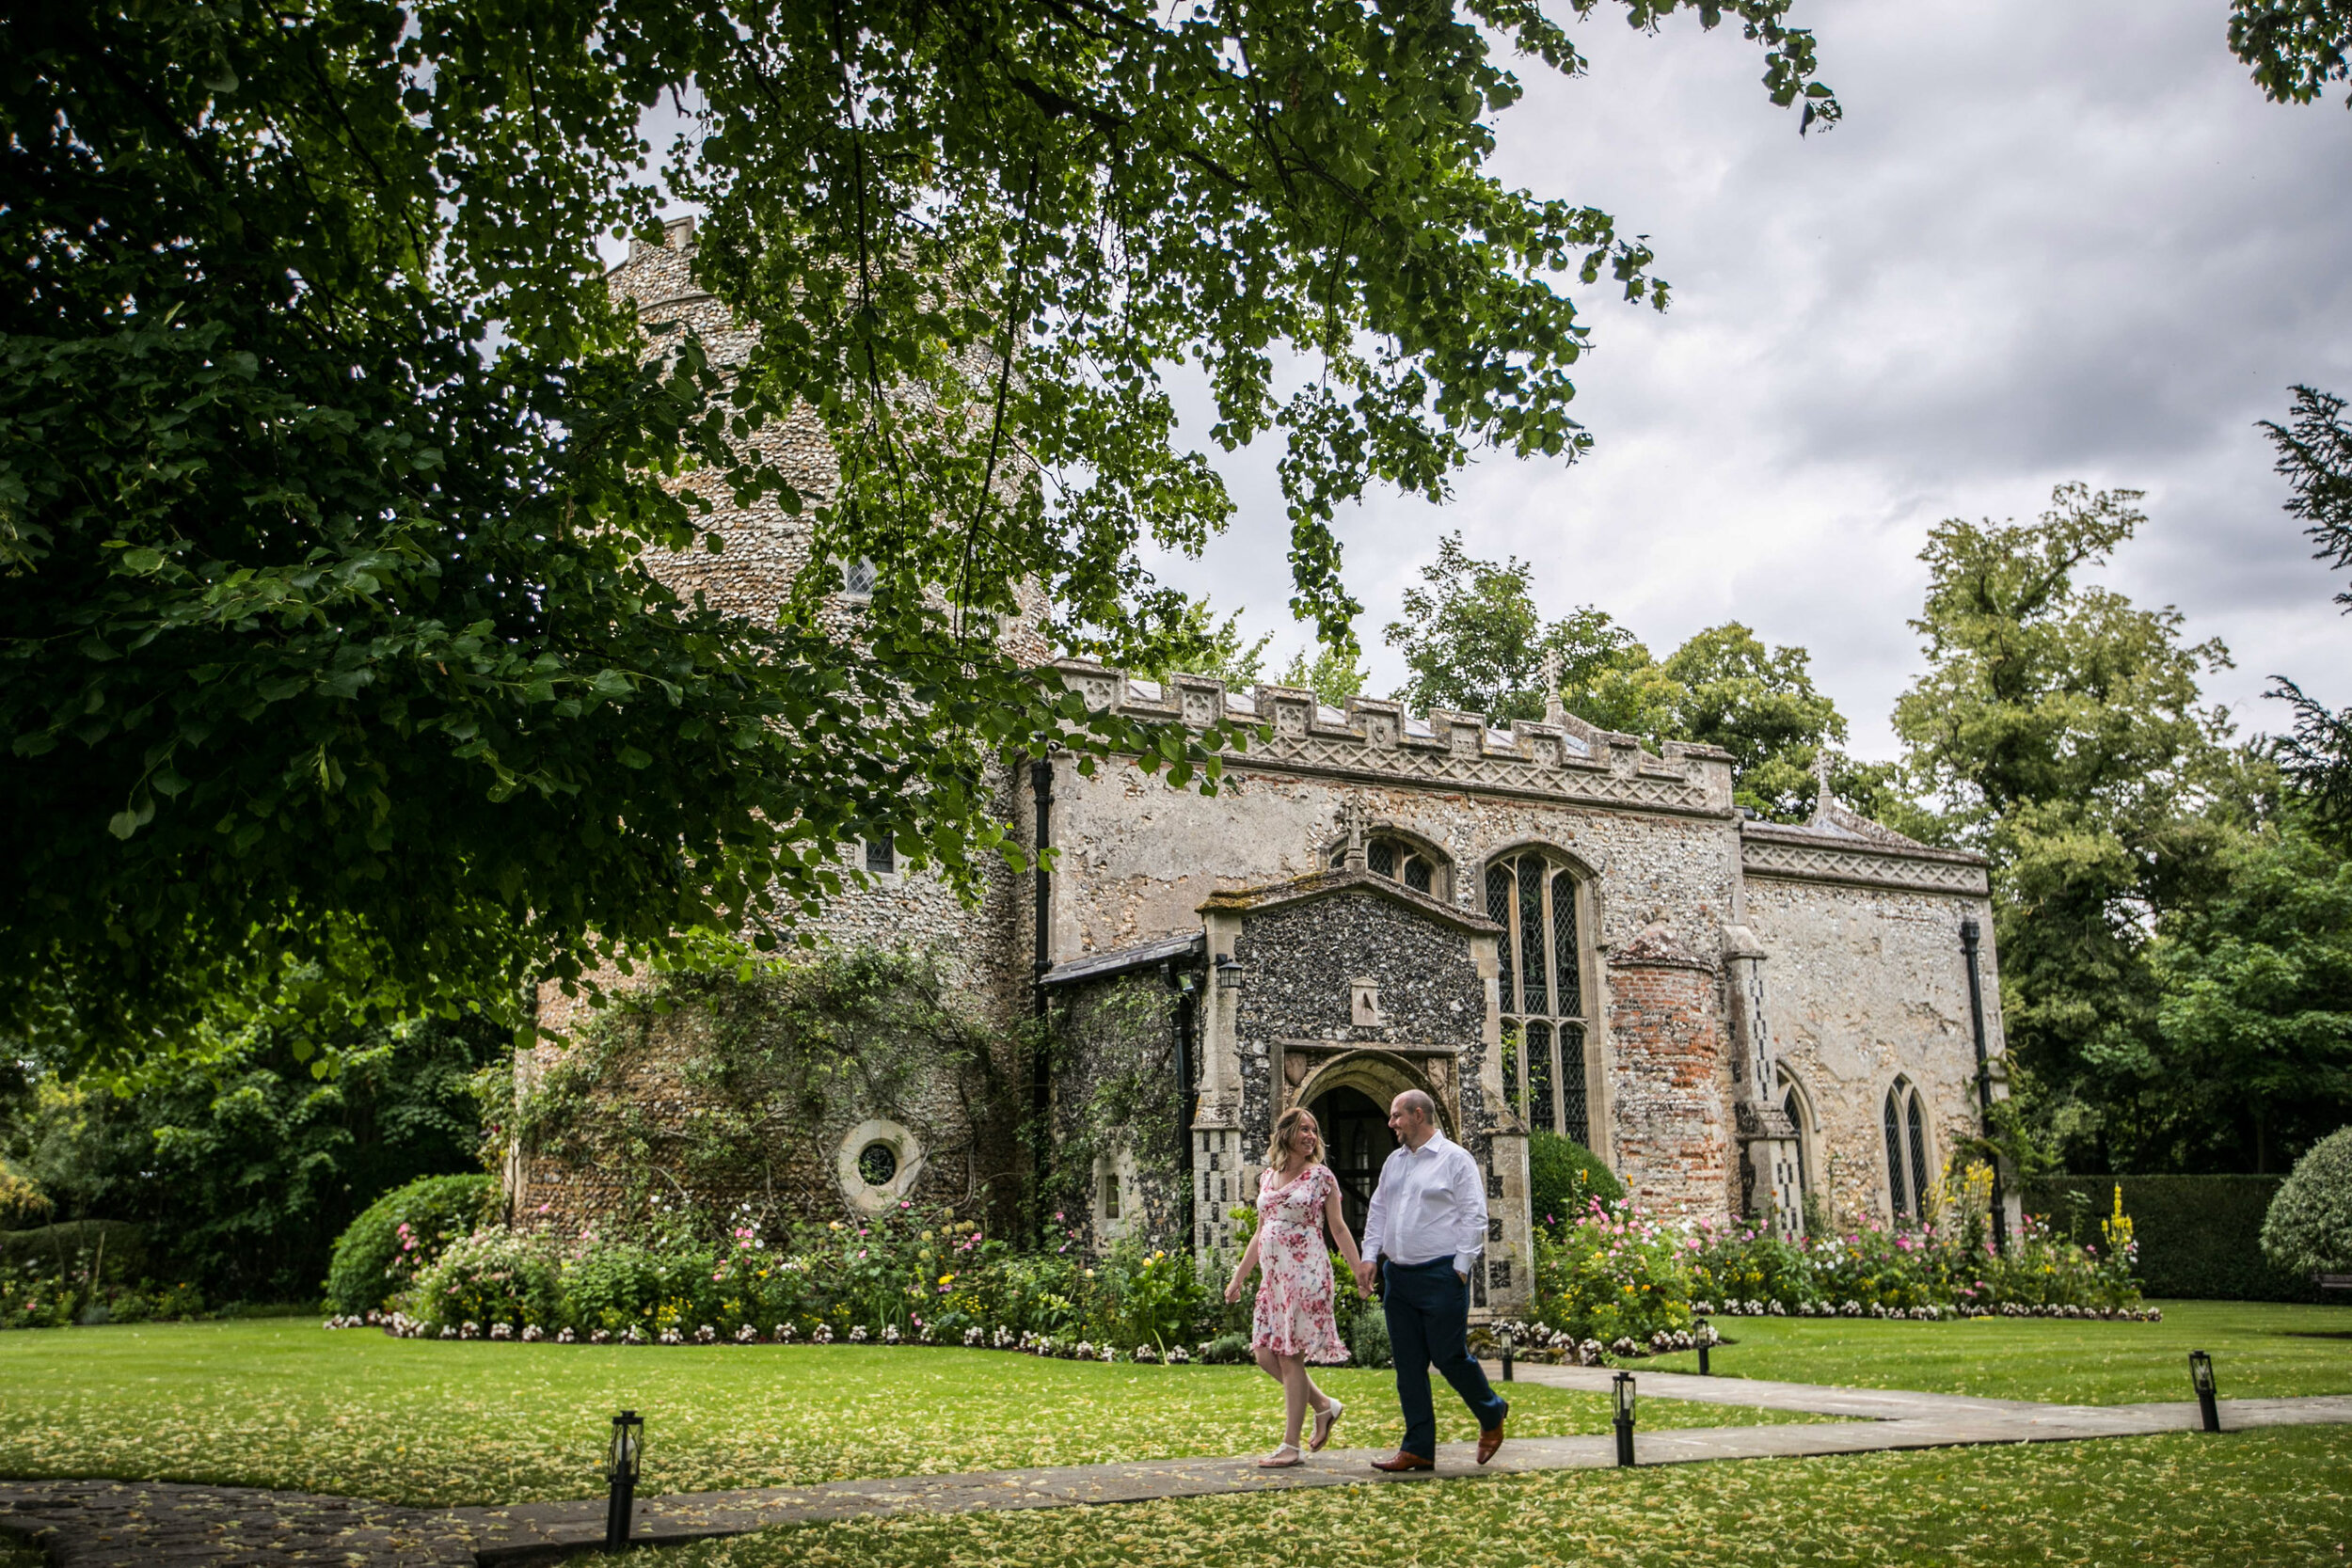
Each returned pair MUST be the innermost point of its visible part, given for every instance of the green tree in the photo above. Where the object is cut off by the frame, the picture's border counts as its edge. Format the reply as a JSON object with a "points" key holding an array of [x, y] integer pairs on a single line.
{"points": [[1334, 674], [2295, 47], [1726, 686], [2060, 730], [328, 469], [2255, 1006], [1195, 642], [2315, 459], [244, 1169], [1475, 643]]}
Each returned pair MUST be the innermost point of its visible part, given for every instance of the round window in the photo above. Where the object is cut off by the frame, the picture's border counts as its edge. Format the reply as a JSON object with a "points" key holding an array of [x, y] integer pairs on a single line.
{"points": [[878, 1163]]}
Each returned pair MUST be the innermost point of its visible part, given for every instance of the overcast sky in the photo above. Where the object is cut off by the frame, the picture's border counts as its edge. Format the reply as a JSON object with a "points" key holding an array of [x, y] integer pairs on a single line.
{"points": [[2049, 241]]}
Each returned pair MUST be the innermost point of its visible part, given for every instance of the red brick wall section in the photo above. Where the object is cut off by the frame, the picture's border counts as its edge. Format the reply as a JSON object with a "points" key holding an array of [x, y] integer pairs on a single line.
{"points": [[1672, 1076]]}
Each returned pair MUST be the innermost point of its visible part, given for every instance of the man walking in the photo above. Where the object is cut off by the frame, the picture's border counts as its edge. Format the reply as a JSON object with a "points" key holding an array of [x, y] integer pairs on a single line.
{"points": [[1424, 1235]]}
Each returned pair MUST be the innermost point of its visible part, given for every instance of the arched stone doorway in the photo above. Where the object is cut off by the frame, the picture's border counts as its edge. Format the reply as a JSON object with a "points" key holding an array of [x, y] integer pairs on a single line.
{"points": [[1355, 1142], [1349, 1095]]}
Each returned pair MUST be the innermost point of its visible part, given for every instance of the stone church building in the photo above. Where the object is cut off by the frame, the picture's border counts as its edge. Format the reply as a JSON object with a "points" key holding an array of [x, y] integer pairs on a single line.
{"points": [[1545, 926]]}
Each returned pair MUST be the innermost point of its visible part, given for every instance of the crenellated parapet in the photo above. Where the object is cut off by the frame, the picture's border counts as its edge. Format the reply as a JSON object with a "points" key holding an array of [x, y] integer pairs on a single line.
{"points": [[1377, 741]]}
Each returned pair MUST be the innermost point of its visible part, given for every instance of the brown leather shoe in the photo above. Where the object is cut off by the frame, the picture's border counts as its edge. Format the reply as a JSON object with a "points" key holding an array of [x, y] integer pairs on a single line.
{"points": [[1403, 1461], [1489, 1441]]}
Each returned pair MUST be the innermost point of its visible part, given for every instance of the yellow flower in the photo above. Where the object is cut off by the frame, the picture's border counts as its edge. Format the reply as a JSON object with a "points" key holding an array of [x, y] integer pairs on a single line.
{"points": [[947, 1279]]}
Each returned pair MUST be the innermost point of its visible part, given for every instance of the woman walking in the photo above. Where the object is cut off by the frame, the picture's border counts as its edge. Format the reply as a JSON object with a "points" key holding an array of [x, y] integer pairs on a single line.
{"points": [[1297, 1196]]}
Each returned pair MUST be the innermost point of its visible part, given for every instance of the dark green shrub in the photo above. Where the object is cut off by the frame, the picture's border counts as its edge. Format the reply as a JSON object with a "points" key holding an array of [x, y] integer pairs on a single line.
{"points": [[2200, 1236], [399, 1234], [1563, 1179], [1370, 1347], [2309, 1228], [1228, 1350], [78, 1245]]}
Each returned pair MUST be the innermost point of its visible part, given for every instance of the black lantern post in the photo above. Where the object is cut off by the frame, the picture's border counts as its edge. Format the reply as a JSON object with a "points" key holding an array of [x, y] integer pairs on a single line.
{"points": [[1702, 1330], [2201, 1378], [1623, 1389], [1506, 1355], [621, 1470]]}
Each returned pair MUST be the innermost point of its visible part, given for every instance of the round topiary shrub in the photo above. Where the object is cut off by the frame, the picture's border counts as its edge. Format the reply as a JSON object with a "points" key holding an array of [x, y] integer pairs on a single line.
{"points": [[400, 1234], [2308, 1229], [1563, 1176]]}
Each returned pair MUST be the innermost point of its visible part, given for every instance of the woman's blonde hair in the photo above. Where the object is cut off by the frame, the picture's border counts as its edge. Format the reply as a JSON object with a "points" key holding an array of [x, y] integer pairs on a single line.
{"points": [[1278, 1147]]}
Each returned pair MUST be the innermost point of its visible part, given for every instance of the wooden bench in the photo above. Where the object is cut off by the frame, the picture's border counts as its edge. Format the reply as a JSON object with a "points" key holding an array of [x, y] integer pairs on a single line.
{"points": [[2335, 1282]]}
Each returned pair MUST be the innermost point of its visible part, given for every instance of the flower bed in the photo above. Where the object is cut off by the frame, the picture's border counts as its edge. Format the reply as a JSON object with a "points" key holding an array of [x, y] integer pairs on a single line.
{"points": [[1620, 1282], [901, 1278]]}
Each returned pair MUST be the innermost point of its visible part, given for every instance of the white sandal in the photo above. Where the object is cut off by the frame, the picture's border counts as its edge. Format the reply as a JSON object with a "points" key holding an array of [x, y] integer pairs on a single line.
{"points": [[1276, 1461], [1326, 1418]]}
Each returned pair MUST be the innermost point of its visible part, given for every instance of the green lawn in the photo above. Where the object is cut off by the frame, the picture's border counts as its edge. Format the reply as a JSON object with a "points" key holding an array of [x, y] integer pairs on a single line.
{"points": [[2259, 1350], [2239, 1500], [283, 1403]]}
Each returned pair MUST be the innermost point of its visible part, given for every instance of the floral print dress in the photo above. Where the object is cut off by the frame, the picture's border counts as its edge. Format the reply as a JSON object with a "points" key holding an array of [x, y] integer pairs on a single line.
{"points": [[1293, 1316]]}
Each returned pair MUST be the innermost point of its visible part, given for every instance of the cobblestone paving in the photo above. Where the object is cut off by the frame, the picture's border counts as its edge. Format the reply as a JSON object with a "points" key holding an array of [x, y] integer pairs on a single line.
{"points": [[128, 1524], [87, 1524]]}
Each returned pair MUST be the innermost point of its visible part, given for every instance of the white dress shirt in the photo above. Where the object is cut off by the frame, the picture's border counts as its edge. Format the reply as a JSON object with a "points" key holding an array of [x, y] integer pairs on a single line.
{"points": [[1431, 1202]]}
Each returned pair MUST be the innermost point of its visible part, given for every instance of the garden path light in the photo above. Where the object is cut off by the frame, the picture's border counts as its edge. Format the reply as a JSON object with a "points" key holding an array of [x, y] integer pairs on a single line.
{"points": [[622, 1467], [2201, 1377], [1621, 1388]]}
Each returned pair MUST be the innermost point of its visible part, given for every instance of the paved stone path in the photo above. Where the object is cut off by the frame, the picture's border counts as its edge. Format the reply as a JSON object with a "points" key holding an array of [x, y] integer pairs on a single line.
{"points": [[88, 1524]]}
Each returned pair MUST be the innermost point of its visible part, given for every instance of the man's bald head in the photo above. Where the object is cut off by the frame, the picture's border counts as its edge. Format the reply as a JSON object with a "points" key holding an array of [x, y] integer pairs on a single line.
{"points": [[1413, 1116]]}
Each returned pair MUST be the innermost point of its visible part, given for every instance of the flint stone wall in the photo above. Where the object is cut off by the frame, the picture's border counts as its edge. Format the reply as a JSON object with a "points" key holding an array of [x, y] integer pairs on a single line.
{"points": [[1862, 983], [967, 1163]]}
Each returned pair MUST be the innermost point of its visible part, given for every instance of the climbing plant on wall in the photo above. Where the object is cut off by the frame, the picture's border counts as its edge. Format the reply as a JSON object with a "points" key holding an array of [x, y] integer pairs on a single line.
{"points": [[702, 1087], [1116, 1057]]}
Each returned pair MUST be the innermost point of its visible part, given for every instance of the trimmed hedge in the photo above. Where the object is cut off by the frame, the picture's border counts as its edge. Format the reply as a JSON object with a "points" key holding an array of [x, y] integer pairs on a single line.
{"points": [[374, 1261], [1562, 1175], [2200, 1236]]}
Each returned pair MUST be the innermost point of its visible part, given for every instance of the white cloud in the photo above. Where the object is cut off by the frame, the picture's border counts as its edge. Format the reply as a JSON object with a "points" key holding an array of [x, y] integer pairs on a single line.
{"points": [[2048, 242]]}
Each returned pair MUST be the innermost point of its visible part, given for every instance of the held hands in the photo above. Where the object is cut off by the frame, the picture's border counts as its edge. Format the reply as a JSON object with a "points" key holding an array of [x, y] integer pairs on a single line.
{"points": [[1364, 1270]]}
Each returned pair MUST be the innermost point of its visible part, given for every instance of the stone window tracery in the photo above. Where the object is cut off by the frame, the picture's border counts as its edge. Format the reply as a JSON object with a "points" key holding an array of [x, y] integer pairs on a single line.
{"points": [[1400, 860], [1904, 1122], [1793, 1100], [1533, 897]]}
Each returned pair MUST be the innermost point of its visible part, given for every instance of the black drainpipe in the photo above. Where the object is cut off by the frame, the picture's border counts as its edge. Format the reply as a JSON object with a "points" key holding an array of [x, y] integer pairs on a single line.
{"points": [[1968, 935], [1042, 1084]]}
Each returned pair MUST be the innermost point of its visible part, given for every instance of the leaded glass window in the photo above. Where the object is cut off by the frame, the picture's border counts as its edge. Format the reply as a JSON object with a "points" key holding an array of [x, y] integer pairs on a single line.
{"points": [[1904, 1122], [1400, 861], [1541, 967]]}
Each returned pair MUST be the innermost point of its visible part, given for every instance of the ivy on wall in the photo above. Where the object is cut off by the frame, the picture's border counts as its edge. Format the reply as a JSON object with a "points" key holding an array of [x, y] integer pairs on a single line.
{"points": [[1115, 1071], [705, 1087]]}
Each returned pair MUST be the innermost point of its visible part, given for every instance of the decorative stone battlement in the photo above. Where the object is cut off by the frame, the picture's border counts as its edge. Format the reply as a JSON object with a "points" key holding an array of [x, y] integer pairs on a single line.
{"points": [[1379, 741], [1822, 853]]}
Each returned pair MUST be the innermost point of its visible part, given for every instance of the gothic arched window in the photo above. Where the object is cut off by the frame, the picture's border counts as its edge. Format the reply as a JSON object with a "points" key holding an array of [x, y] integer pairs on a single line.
{"points": [[1400, 860], [1905, 1125], [1533, 898], [1793, 1099]]}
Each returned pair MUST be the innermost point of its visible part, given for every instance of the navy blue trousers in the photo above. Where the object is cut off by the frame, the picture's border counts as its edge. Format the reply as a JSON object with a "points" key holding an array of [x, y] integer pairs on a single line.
{"points": [[1428, 1313]]}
